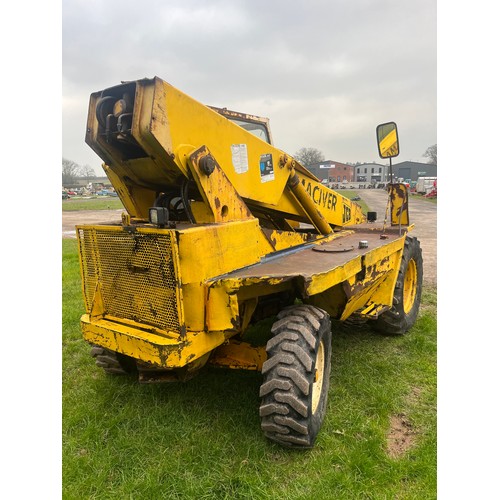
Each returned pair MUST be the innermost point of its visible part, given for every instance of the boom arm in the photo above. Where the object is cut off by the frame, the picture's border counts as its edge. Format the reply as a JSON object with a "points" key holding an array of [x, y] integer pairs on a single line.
{"points": [[148, 133]]}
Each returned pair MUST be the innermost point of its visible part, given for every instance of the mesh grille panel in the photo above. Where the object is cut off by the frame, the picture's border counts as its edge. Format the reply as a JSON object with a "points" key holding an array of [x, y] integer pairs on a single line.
{"points": [[136, 274]]}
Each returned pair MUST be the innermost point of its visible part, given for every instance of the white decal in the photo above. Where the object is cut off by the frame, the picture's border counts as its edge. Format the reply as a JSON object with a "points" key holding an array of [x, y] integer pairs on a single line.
{"points": [[239, 154]]}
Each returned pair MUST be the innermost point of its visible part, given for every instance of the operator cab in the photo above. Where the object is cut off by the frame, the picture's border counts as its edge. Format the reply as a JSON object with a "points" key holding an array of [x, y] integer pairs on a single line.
{"points": [[256, 125]]}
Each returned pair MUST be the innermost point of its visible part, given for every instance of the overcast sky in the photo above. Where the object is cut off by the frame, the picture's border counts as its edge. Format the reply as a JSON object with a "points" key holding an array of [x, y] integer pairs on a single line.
{"points": [[324, 72]]}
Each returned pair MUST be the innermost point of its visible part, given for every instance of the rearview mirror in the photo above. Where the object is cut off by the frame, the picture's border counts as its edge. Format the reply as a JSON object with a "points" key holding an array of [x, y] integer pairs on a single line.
{"points": [[387, 140]]}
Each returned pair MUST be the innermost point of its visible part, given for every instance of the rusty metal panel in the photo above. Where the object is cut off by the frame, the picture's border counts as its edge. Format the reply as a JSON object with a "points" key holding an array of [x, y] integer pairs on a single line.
{"points": [[135, 273], [399, 205], [319, 267]]}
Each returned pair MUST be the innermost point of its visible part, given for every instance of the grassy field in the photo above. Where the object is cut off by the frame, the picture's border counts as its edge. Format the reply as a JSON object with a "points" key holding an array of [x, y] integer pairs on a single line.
{"points": [[109, 203], [202, 439], [97, 203]]}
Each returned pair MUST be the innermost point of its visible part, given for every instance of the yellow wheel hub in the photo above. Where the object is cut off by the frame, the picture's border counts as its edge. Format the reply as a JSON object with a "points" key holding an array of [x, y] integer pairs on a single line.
{"points": [[410, 286], [318, 377]]}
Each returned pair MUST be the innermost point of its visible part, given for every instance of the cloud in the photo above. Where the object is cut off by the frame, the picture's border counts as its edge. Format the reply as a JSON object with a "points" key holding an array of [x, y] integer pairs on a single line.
{"points": [[325, 73]]}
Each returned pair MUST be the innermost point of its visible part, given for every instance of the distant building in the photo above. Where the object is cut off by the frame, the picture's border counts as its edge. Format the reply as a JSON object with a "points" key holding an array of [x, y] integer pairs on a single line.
{"points": [[82, 182], [413, 170], [406, 170], [332, 171], [337, 172], [371, 172]]}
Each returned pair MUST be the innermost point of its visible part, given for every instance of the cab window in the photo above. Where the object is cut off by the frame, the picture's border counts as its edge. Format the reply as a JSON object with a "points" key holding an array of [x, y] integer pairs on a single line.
{"points": [[256, 129]]}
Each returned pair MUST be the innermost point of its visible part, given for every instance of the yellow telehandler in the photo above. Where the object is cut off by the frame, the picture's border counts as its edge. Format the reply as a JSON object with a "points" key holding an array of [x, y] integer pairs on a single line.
{"points": [[223, 230]]}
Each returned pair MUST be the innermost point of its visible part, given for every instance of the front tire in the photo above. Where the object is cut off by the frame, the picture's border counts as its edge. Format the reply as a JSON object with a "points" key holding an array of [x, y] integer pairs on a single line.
{"points": [[296, 376], [407, 293]]}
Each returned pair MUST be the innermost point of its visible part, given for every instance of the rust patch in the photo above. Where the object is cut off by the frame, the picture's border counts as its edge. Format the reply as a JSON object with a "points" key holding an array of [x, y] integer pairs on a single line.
{"points": [[401, 436]]}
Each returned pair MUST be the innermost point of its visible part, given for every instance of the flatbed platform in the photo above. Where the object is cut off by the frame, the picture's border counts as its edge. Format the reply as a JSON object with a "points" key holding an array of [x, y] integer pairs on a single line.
{"points": [[320, 265]]}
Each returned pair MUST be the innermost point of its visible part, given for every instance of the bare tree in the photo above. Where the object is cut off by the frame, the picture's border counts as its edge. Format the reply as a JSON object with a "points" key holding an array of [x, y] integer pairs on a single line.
{"points": [[87, 172], [432, 153], [309, 156], [70, 171]]}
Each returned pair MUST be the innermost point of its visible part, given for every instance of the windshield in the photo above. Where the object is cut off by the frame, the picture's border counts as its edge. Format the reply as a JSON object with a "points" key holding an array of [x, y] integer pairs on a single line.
{"points": [[256, 129]]}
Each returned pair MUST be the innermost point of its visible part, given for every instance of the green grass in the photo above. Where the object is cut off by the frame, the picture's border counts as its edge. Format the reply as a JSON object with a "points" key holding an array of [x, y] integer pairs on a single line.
{"points": [[352, 194], [422, 197], [107, 202], [202, 439], [97, 203]]}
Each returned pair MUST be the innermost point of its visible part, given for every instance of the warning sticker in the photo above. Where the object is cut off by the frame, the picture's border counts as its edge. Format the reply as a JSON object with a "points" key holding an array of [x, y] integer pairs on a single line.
{"points": [[266, 168], [239, 154]]}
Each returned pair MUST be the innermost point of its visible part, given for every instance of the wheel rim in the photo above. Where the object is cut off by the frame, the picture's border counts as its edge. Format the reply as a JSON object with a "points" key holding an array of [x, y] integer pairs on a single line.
{"points": [[318, 377], [410, 286]]}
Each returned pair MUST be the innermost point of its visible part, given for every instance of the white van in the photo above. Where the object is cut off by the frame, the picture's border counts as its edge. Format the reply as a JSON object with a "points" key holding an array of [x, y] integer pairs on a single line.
{"points": [[425, 184]]}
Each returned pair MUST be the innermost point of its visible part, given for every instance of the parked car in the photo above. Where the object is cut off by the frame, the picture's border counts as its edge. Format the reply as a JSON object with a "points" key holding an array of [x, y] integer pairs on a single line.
{"points": [[65, 196]]}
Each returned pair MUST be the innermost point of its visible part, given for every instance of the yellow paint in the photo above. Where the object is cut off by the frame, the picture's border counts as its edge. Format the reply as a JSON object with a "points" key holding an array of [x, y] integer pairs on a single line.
{"points": [[209, 307], [158, 350], [167, 296], [211, 250], [281, 240], [170, 126], [239, 355], [410, 286], [321, 282], [377, 287], [224, 203], [318, 379], [389, 145], [399, 204]]}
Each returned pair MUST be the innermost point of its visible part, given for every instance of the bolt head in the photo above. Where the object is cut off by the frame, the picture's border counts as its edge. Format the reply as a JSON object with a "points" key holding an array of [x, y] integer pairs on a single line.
{"points": [[207, 164]]}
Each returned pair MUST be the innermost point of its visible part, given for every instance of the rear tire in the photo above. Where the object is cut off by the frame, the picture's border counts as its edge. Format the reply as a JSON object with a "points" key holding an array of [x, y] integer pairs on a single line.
{"points": [[112, 362], [407, 293], [296, 374]]}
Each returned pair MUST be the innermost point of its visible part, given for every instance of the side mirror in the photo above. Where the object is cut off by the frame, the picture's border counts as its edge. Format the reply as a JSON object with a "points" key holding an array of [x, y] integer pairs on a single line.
{"points": [[387, 140]]}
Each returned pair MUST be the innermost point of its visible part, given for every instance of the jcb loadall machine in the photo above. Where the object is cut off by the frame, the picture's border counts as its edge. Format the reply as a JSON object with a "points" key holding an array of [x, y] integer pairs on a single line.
{"points": [[222, 230]]}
